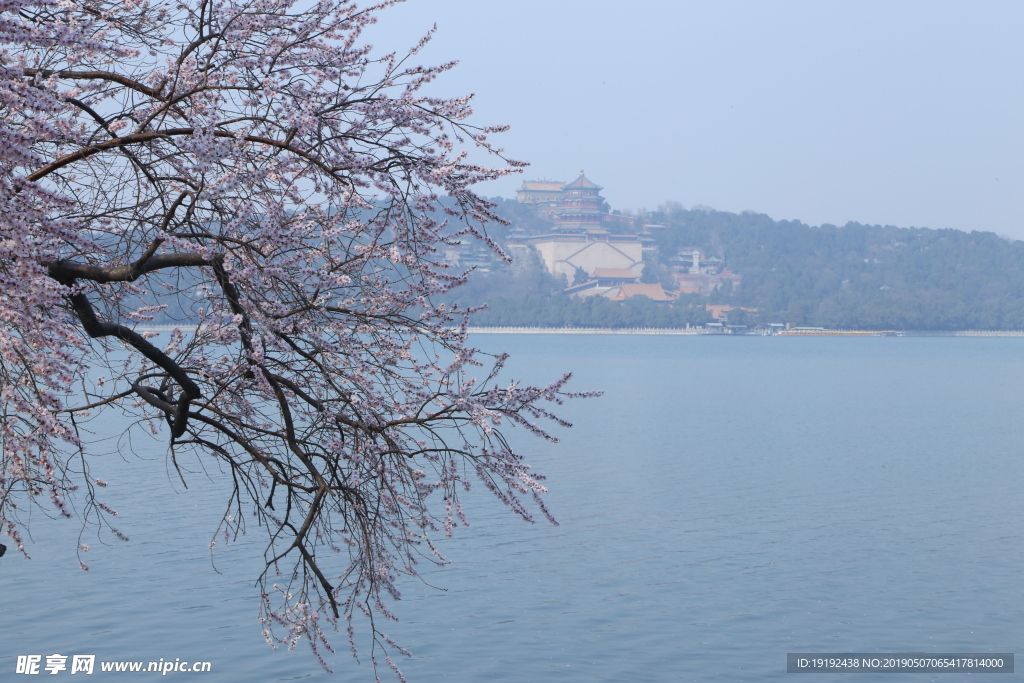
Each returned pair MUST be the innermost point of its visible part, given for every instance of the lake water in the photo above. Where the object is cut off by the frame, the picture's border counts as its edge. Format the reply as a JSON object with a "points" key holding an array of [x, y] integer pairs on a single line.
{"points": [[728, 500]]}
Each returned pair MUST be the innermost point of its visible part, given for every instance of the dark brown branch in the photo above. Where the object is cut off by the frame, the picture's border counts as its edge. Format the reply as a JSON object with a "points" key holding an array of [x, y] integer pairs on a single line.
{"points": [[299, 392], [268, 463], [104, 124], [196, 43], [95, 329], [328, 588], [139, 138], [115, 397], [66, 271], [95, 75]]}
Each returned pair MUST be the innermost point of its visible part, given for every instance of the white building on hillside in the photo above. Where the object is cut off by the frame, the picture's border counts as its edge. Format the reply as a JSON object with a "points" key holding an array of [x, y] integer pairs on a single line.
{"points": [[564, 253]]}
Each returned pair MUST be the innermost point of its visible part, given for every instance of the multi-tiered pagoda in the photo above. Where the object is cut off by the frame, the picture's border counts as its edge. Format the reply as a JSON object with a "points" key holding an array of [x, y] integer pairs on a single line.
{"points": [[581, 208]]}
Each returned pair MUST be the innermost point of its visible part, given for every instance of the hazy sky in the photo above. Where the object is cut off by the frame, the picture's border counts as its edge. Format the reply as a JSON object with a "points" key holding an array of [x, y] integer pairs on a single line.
{"points": [[903, 113]]}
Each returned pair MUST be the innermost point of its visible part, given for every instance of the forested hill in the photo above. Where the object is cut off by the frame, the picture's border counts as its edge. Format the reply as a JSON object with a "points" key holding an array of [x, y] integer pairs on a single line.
{"points": [[858, 276], [850, 277]]}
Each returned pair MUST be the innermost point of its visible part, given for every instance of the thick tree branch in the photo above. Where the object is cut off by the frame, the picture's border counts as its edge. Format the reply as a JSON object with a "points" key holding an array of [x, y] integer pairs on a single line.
{"points": [[140, 138], [93, 76], [66, 271], [95, 329]]}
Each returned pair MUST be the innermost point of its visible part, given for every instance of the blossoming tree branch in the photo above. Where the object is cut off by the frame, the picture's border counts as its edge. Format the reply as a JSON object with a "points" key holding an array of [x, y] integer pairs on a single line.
{"points": [[253, 168]]}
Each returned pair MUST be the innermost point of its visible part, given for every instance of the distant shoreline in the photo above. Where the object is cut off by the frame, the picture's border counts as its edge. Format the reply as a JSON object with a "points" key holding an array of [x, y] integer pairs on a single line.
{"points": [[693, 331]]}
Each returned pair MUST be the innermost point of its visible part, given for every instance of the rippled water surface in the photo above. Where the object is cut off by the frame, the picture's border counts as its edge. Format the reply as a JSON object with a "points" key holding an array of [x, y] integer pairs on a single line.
{"points": [[727, 501]]}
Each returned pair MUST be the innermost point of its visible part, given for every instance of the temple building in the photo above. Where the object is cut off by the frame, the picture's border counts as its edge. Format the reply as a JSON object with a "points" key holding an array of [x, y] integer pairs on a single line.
{"points": [[697, 273], [581, 239], [581, 208], [562, 253], [602, 253], [544, 195], [576, 207], [540, 192], [621, 291]]}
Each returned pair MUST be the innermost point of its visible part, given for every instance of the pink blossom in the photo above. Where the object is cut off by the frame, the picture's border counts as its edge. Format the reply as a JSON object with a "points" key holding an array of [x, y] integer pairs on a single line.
{"points": [[255, 166]]}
